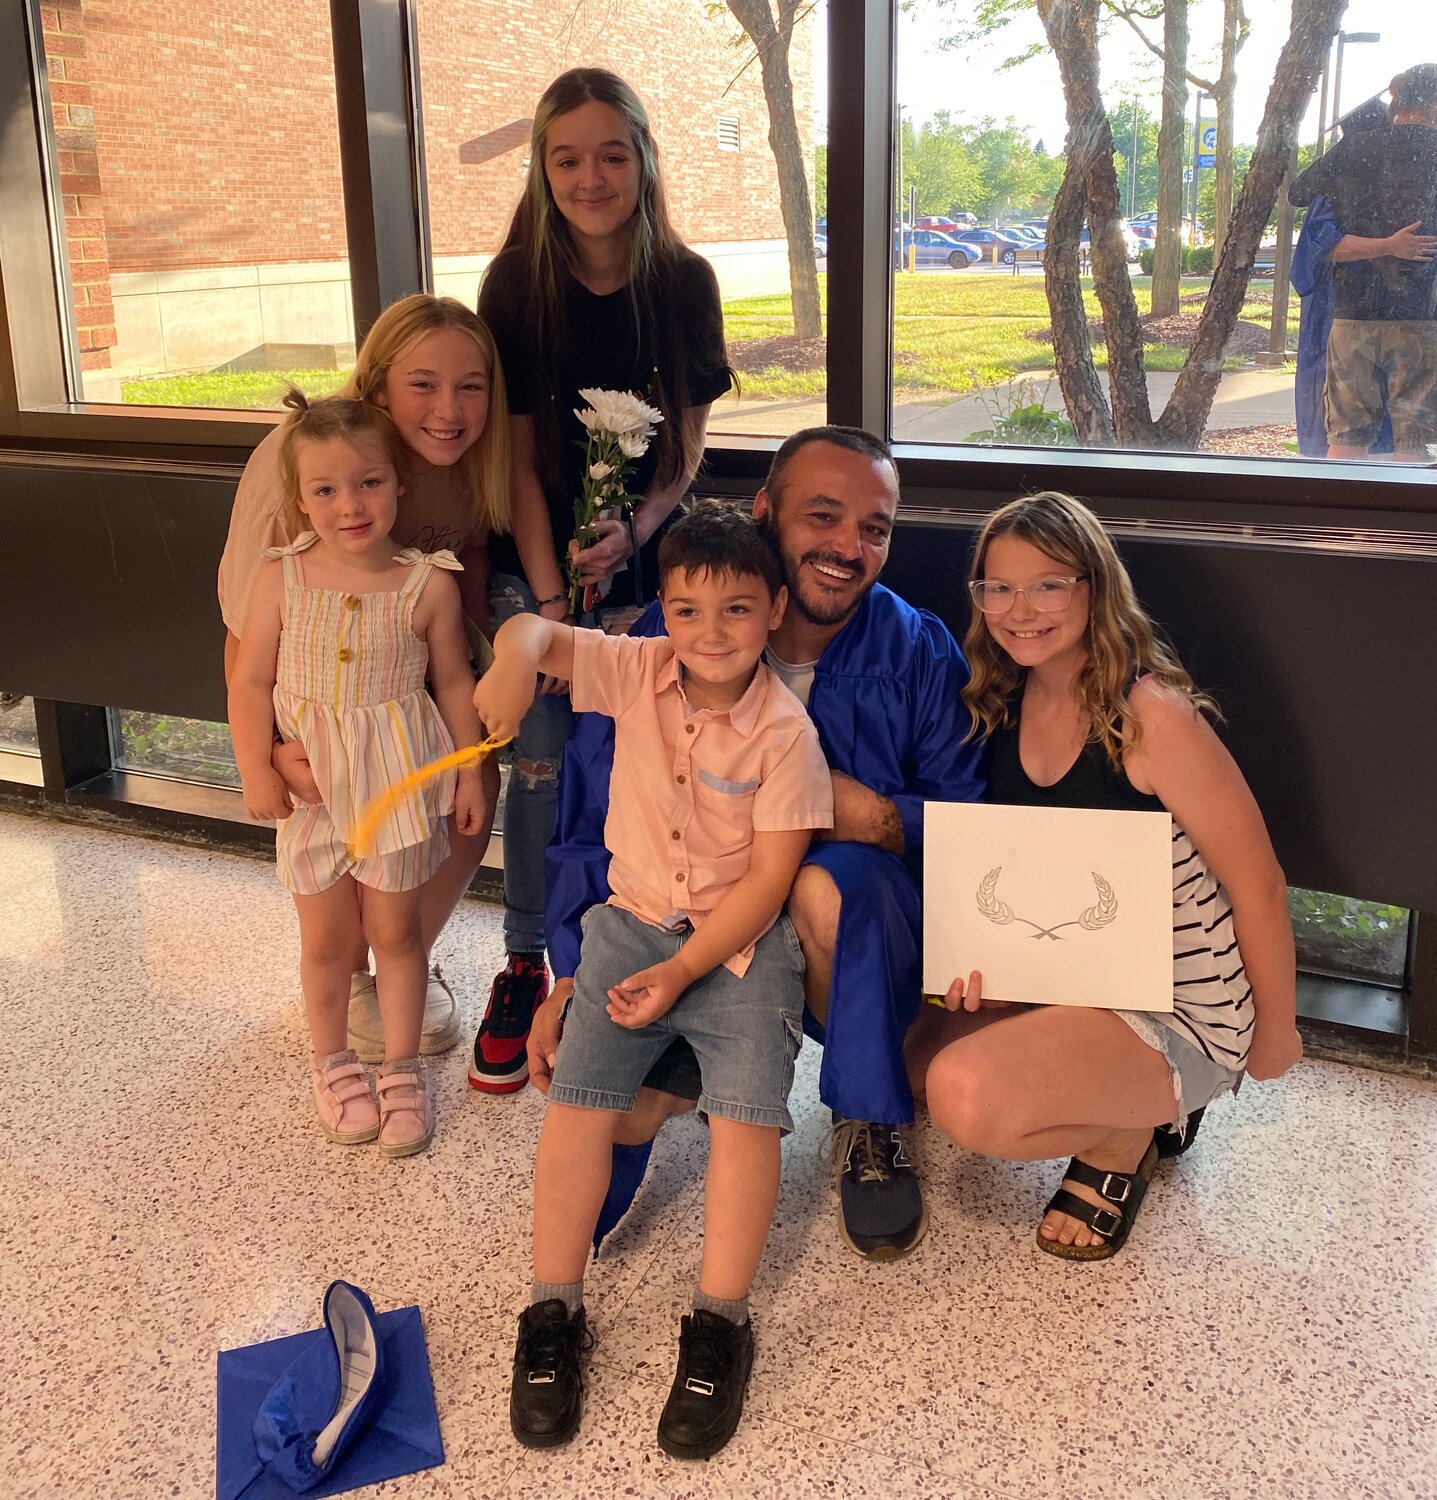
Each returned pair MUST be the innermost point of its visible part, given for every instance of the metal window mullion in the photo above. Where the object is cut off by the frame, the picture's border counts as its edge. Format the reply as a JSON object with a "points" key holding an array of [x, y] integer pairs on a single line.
{"points": [[385, 209], [36, 325], [861, 113], [74, 742]]}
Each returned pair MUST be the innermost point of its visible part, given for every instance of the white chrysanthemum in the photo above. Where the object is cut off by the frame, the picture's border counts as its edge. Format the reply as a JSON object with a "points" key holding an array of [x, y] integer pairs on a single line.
{"points": [[600, 471], [634, 444], [620, 413]]}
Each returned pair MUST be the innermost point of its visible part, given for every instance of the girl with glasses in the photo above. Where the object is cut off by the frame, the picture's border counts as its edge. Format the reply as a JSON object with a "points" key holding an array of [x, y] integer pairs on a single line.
{"points": [[1082, 705]]}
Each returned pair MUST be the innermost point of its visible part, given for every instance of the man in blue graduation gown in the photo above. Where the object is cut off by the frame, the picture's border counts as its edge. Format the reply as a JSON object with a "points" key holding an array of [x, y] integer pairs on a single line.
{"points": [[882, 682]]}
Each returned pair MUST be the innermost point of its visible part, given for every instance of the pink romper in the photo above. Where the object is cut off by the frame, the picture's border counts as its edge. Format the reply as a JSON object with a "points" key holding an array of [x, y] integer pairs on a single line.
{"points": [[350, 689]]}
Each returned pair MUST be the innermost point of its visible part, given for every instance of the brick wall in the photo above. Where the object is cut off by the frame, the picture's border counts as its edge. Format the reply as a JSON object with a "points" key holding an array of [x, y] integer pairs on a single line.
{"points": [[62, 24], [215, 132]]}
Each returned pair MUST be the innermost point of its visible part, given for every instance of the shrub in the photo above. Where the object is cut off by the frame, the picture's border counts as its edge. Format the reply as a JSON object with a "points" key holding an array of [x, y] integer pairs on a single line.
{"points": [[1197, 260], [1145, 262]]}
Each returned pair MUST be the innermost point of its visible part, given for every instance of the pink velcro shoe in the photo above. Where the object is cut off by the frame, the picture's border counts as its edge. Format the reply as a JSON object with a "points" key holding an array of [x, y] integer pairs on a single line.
{"points": [[348, 1115], [406, 1110]]}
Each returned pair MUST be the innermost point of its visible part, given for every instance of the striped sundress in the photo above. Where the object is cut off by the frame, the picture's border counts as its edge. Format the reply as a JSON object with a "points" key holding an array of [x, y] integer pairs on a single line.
{"points": [[350, 689]]}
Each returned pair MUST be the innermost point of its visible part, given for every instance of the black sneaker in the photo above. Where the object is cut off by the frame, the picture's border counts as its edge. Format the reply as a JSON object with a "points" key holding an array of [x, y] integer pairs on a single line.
{"points": [[501, 1058], [547, 1396], [881, 1213], [706, 1400]]}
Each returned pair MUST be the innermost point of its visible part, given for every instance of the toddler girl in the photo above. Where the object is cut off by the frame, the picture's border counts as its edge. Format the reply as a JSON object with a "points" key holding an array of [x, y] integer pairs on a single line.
{"points": [[340, 632]]}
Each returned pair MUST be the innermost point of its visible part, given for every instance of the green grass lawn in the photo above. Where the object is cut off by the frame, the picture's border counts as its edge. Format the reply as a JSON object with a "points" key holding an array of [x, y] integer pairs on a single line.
{"points": [[951, 334]]}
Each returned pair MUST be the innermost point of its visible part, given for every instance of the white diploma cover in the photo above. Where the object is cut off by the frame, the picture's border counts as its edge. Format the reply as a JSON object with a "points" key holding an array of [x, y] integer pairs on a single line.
{"points": [[1054, 905]]}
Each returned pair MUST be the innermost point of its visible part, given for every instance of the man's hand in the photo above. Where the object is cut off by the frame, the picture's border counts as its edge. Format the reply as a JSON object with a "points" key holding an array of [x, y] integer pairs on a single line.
{"points": [[544, 1033], [266, 797], [291, 761], [1271, 1056], [613, 549], [1407, 244], [647, 995]]}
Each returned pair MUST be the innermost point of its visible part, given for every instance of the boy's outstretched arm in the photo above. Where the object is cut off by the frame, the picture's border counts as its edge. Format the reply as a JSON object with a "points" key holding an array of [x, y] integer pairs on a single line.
{"points": [[524, 647], [744, 915]]}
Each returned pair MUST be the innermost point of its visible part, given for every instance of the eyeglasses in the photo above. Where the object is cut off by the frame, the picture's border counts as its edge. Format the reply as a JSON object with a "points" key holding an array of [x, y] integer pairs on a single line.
{"points": [[1047, 596]]}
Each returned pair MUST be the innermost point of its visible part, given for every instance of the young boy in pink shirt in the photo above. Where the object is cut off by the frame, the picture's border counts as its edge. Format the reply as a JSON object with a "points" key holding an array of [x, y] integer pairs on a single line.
{"points": [[718, 783]]}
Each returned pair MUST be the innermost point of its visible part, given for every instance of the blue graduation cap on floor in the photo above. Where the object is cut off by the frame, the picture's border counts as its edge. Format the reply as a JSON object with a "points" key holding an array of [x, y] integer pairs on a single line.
{"points": [[322, 1412]]}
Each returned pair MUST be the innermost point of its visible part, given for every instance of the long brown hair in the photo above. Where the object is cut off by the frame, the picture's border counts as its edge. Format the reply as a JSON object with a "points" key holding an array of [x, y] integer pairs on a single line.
{"points": [[401, 325], [1123, 643], [540, 241]]}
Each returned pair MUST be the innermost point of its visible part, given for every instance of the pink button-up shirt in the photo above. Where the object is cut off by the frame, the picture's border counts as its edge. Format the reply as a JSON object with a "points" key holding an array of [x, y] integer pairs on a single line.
{"points": [[691, 786]]}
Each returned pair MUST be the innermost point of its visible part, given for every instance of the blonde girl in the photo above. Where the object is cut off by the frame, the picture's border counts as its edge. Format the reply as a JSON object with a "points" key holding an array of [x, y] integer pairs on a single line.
{"points": [[1082, 705], [341, 630], [430, 363]]}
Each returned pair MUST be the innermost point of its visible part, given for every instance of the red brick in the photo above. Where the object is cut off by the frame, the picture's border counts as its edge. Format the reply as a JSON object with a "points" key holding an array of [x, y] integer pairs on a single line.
{"points": [[89, 270], [68, 45]]}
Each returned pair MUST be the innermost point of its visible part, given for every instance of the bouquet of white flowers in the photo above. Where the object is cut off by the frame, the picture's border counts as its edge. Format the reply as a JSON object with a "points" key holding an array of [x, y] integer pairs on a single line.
{"points": [[620, 428]]}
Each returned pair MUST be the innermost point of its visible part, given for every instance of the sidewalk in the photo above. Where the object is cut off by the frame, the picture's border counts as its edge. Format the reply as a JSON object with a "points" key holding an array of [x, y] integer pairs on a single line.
{"points": [[1245, 398]]}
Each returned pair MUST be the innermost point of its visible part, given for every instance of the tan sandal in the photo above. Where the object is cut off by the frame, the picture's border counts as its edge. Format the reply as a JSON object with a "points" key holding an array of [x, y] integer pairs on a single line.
{"points": [[406, 1111]]}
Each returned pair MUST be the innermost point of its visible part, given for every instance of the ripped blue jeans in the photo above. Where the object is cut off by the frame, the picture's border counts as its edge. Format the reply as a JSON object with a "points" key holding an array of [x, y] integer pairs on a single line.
{"points": [[533, 794]]}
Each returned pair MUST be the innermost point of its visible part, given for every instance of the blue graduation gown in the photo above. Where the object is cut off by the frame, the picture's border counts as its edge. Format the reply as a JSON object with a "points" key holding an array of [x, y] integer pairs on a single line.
{"points": [[885, 701]]}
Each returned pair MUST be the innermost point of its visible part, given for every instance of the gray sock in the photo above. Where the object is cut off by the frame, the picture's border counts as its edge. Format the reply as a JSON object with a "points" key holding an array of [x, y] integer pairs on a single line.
{"points": [[736, 1312], [570, 1293]]}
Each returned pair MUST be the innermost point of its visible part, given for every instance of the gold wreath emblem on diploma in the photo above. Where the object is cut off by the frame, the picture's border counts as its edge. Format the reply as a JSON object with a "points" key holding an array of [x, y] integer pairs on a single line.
{"points": [[1090, 920]]}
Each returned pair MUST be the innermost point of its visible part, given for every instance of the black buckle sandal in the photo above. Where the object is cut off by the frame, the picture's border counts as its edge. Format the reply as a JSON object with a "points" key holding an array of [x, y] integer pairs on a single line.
{"points": [[1123, 1190]]}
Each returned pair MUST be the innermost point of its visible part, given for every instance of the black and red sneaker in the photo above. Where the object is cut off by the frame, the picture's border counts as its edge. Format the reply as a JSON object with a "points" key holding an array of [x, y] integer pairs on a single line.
{"points": [[501, 1063]]}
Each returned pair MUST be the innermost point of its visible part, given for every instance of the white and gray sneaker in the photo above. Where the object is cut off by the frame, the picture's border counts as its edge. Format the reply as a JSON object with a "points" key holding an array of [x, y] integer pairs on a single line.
{"points": [[366, 1026]]}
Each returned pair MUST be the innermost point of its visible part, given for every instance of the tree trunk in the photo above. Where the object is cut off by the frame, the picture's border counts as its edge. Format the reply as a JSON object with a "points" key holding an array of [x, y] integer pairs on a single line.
{"points": [[771, 40], [1168, 245], [1234, 35], [1071, 27], [1314, 23]]}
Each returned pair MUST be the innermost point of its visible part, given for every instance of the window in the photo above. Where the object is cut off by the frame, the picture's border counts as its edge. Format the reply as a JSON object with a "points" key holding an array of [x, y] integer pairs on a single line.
{"points": [[690, 64], [181, 749], [979, 353], [1349, 939], [17, 725], [198, 204]]}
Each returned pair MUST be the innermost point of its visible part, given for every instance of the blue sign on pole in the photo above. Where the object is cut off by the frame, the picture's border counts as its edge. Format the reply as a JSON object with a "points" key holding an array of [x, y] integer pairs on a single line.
{"points": [[1207, 147]]}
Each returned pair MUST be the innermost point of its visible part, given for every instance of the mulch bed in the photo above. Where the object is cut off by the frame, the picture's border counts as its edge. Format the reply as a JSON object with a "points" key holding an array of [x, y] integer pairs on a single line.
{"points": [[784, 351], [1253, 442], [1177, 332]]}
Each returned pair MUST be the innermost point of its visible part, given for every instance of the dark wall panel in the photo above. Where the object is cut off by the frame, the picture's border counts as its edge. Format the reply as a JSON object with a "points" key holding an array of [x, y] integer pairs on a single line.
{"points": [[107, 587], [1323, 661], [1323, 664]]}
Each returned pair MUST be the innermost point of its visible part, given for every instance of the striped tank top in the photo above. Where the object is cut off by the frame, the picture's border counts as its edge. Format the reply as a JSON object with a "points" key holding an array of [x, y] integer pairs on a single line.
{"points": [[350, 688], [1212, 1000]]}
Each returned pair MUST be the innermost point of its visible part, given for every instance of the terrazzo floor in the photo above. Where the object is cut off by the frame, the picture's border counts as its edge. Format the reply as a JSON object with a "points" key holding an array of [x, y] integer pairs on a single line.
{"points": [[1271, 1329]]}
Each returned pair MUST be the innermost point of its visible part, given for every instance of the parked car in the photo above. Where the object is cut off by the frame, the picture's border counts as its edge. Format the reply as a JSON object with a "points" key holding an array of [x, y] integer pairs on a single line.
{"points": [[931, 247], [1009, 248], [820, 247]]}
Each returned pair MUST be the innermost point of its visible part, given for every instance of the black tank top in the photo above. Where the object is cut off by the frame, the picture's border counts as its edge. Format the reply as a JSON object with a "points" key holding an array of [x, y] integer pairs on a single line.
{"points": [[1090, 781]]}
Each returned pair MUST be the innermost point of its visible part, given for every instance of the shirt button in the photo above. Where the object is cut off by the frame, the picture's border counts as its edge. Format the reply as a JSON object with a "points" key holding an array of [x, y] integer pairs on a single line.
{"points": [[676, 834], [351, 601], [680, 779], [680, 877], [345, 654], [688, 728]]}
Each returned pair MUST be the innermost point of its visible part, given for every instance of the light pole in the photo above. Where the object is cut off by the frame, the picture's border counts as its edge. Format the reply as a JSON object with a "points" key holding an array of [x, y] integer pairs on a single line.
{"points": [[1343, 38]]}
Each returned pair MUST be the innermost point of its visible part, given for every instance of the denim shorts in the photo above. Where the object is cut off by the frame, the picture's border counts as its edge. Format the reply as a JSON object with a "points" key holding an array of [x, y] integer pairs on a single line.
{"points": [[1197, 1080], [745, 1032]]}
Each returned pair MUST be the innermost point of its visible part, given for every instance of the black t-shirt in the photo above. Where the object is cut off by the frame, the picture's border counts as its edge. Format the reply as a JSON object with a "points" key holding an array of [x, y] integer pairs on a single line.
{"points": [[1379, 180], [602, 351]]}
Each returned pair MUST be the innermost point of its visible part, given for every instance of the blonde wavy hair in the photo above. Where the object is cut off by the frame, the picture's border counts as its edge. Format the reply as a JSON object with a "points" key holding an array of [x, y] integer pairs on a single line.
{"points": [[357, 422], [1123, 643], [401, 325]]}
